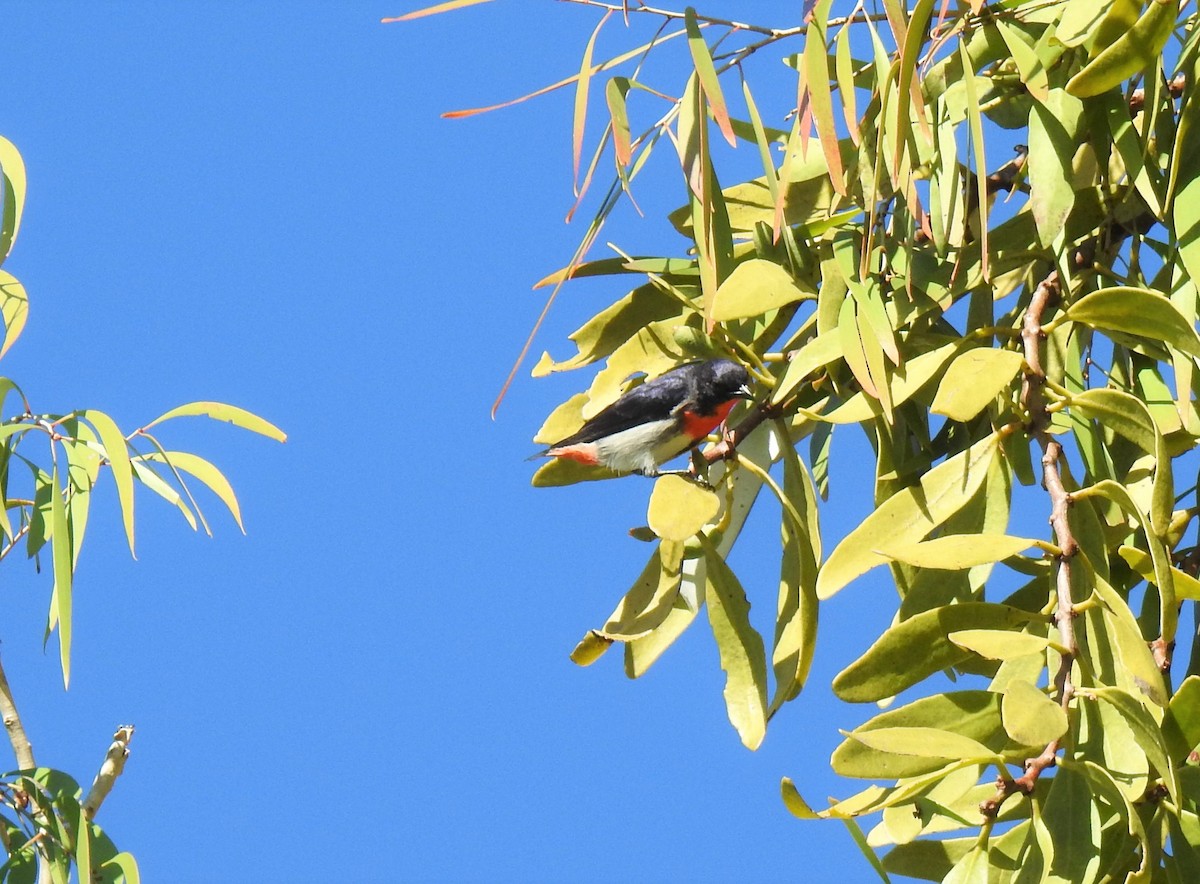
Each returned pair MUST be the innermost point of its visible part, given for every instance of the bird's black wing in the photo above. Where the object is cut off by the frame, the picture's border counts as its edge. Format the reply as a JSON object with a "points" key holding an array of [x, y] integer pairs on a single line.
{"points": [[652, 401]]}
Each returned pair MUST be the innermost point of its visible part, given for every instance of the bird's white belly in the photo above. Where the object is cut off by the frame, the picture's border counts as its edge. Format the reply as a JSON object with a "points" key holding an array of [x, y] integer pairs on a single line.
{"points": [[643, 447]]}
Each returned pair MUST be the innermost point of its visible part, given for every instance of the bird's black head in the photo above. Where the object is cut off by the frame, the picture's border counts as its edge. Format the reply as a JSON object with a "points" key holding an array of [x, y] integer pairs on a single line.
{"points": [[719, 381]]}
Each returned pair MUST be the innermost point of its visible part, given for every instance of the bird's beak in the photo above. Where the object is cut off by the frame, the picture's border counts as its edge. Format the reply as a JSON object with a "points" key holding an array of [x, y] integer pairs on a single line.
{"points": [[745, 392]]}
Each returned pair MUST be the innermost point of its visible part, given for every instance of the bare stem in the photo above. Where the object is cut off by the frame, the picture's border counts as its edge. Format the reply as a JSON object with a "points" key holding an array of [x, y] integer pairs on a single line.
{"points": [[22, 748], [110, 769]]}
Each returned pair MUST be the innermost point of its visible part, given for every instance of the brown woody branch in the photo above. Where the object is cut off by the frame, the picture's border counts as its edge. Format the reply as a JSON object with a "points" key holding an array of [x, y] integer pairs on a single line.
{"points": [[1033, 399], [22, 748]]}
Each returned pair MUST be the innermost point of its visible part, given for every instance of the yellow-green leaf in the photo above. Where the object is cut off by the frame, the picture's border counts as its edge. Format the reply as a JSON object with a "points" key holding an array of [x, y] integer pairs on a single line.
{"points": [[1145, 732], [1030, 716], [14, 306], [679, 508], [219, 411], [957, 551], [13, 168], [1139, 312], [1135, 50], [755, 287], [651, 597], [63, 574], [590, 648], [891, 664], [115, 450], [973, 380], [206, 473], [740, 647], [999, 644], [908, 515], [703, 63], [925, 742]]}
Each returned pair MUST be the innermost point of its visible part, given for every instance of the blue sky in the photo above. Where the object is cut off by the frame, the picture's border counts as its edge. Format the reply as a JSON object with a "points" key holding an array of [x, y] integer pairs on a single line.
{"points": [[259, 203]]}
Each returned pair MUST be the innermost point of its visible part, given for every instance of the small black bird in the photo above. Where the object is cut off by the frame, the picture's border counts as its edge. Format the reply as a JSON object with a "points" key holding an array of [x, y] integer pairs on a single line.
{"points": [[658, 420]]}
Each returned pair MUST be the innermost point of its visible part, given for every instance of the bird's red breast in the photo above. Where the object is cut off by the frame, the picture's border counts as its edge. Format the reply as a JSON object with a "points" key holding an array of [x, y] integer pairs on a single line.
{"points": [[697, 426]]}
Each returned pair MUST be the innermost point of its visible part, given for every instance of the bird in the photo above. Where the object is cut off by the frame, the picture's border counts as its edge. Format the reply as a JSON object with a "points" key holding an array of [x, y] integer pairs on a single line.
{"points": [[658, 420]]}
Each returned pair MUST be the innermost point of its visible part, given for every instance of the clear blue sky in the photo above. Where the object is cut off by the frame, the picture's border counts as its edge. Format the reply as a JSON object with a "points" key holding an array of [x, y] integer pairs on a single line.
{"points": [[258, 203]]}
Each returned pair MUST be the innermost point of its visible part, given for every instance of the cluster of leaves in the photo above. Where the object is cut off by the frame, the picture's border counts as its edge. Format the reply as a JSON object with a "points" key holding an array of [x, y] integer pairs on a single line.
{"points": [[49, 466], [870, 276]]}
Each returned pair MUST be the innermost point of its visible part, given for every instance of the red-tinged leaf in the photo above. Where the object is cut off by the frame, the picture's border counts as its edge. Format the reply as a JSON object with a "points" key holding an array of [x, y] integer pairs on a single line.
{"points": [[614, 94], [583, 84], [702, 61], [844, 69], [816, 70], [545, 90], [436, 9]]}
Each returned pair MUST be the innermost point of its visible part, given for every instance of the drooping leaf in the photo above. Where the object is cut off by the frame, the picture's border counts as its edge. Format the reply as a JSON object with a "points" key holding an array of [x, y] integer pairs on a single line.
{"points": [[207, 473], [1145, 731], [741, 648], [117, 453], [62, 603], [1130, 53], [650, 600]]}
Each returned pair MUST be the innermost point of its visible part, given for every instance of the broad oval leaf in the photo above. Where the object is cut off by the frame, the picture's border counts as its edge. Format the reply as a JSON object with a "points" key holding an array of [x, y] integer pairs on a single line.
{"points": [[1136, 49], [1136, 311], [973, 380], [755, 287], [679, 508], [892, 664], [649, 601], [1030, 716]]}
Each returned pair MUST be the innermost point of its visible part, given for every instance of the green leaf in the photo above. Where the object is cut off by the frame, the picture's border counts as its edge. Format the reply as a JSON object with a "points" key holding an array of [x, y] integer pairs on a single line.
{"points": [[1136, 49], [815, 354], [1125, 636], [908, 515], [999, 644], [755, 287], [1052, 144], [1181, 724], [1139, 312], [14, 305], [614, 95], [971, 869], [1030, 716], [117, 453], [679, 508], [741, 649], [590, 648], [1145, 731], [651, 598], [795, 803], [817, 80], [1073, 822], [213, 478], [974, 714], [925, 742], [62, 602], [890, 664], [958, 551], [973, 380], [906, 381], [219, 411], [702, 60], [13, 169]]}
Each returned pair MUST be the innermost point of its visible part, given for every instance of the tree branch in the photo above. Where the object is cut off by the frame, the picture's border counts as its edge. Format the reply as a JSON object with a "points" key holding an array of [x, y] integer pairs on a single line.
{"points": [[110, 769], [22, 748]]}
